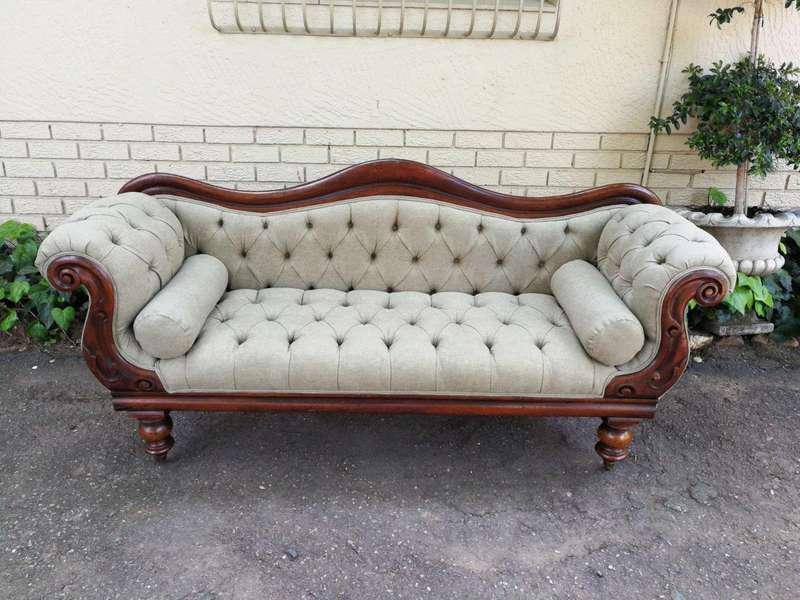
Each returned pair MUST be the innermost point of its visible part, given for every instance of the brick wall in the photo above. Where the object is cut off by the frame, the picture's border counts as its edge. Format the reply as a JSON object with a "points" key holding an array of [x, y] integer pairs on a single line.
{"points": [[49, 169]]}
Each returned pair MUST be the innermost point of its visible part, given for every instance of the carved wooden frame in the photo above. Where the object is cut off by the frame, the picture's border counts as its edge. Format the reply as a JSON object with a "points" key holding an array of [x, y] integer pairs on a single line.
{"points": [[627, 399]]}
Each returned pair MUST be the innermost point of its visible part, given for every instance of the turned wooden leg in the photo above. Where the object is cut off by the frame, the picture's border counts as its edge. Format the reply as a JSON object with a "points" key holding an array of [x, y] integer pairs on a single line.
{"points": [[615, 438], [154, 429]]}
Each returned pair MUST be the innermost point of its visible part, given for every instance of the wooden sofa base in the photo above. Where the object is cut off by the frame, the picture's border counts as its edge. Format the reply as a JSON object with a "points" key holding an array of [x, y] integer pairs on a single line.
{"points": [[614, 434]]}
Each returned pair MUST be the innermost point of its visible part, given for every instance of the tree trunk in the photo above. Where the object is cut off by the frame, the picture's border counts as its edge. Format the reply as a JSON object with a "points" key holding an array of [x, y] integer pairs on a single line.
{"points": [[758, 17], [740, 206], [740, 201]]}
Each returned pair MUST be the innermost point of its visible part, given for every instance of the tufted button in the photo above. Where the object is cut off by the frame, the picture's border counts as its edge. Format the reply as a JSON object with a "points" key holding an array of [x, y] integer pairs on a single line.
{"points": [[395, 227], [220, 223], [349, 224], [268, 285], [345, 304], [265, 225], [290, 340], [480, 227], [350, 289], [499, 262], [330, 253], [542, 264], [661, 260], [287, 255], [524, 230], [489, 344], [244, 253], [318, 318], [309, 225], [339, 341], [241, 340], [456, 260], [310, 286], [364, 321], [435, 342], [415, 259], [566, 228], [389, 290], [475, 292], [388, 343], [433, 291], [412, 322], [373, 256], [438, 226]]}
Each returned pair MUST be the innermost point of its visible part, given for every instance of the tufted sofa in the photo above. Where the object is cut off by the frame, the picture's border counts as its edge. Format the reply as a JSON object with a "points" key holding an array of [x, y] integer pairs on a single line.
{"points": [[389, 286]]}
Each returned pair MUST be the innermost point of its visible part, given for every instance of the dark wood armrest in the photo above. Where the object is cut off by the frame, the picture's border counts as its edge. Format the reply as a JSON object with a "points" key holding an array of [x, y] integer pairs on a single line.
{"points": [[67, 273], [708, 287]]}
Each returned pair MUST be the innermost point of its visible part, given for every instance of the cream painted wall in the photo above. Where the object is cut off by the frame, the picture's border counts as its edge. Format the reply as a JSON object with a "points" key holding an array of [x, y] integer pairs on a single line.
{"points": [[159, 61]]}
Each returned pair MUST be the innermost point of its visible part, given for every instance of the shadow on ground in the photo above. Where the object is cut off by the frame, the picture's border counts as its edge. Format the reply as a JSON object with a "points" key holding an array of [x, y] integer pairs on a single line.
{"points": [[331, 506]]}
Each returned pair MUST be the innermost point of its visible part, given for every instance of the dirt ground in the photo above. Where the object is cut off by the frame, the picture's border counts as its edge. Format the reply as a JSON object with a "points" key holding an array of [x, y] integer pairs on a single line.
{"points": [[331, 506]]}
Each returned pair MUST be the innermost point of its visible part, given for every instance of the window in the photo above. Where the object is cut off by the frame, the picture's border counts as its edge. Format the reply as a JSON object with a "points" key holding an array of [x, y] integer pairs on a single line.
{"points": [[497, 19]]}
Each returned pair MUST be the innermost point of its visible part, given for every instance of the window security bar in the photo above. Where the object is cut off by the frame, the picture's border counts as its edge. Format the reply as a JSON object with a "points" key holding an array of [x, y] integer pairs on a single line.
{"points": [[495, 19]]}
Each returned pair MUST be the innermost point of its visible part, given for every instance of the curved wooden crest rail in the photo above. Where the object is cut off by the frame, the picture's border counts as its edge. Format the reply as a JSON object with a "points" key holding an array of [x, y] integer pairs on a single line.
{"points": [[627, 399]]}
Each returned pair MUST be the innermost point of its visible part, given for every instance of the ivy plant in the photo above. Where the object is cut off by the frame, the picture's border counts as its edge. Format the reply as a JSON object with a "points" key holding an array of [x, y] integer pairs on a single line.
{"points": [[775, 297], [26, 298]]}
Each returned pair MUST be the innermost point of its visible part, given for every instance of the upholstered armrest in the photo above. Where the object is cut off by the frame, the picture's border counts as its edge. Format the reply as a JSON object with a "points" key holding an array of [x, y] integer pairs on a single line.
{"points": [[123, 250], [646, 248]]}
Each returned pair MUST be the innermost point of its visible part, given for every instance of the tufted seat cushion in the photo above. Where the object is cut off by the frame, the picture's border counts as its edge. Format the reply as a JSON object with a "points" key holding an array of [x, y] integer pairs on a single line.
{"points": [[286, 339]]}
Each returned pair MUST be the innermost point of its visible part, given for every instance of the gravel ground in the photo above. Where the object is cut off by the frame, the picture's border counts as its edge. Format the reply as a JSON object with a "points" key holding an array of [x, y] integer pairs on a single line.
{"points": [[315, 506]]}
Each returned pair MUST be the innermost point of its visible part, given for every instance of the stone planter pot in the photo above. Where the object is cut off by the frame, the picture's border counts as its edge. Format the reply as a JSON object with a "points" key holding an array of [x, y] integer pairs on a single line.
{"points": [[751, 242]]}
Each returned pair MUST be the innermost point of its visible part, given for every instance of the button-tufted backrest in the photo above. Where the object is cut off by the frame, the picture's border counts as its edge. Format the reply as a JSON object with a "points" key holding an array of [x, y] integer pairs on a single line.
{"points": [[389, 243]]}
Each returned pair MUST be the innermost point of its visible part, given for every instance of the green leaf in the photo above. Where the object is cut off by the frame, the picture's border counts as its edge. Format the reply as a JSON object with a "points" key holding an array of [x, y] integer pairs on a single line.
{"points": [[740, 300], [17, 290], [38, 331], [717, 196], [782, 248], [8, 321], [723, 16], [63, 317]]}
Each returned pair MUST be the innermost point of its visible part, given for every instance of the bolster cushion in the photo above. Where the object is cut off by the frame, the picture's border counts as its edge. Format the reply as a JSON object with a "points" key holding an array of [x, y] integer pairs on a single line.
{"points": [[170, 323], [609, 332]]}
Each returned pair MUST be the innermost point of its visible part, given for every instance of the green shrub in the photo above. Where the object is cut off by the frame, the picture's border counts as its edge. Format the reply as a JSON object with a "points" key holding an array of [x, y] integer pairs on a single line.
{"points": [[26, 298], [747, 112], [775, 297]]}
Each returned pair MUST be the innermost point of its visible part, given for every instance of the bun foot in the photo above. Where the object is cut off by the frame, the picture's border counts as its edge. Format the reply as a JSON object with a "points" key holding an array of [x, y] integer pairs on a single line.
{"points": [[155, 428], [615, 440]]}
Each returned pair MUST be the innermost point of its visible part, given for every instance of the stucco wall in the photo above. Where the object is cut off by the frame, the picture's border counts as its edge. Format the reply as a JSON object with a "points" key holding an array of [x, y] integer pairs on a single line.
{"points": [[160, 63]]}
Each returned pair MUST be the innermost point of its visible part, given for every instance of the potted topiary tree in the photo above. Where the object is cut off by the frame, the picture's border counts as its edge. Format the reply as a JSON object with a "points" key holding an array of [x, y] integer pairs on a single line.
{"points": [[748, 115]]}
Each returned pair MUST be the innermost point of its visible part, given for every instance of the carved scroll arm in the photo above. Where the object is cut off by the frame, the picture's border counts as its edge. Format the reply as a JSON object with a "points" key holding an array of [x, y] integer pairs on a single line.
{"points": [[706, 286], [66, 274]]}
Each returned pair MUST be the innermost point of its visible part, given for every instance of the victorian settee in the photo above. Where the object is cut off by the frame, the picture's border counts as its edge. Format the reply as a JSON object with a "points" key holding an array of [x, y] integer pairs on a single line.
{"points": [[387, 287]]}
